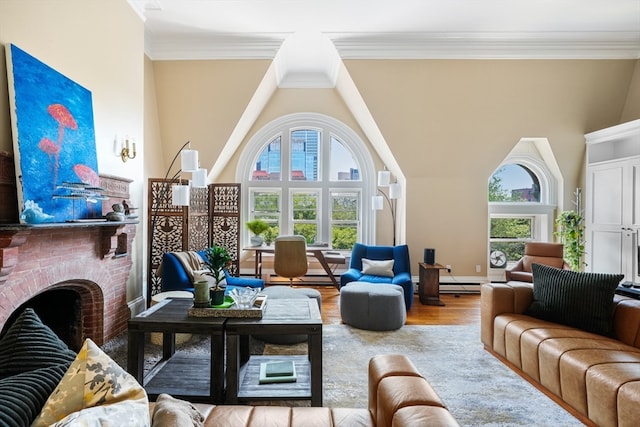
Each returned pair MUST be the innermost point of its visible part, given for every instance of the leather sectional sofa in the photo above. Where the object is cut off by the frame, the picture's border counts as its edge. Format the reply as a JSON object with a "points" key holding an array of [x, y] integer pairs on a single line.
{"points": [[398, 396], [596, 378]]}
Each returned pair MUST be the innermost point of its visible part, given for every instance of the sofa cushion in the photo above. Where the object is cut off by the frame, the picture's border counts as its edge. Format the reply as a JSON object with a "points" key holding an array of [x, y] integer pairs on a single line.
{"points": [[377, 267], [30, 344], [577, 299], [96, 391]]}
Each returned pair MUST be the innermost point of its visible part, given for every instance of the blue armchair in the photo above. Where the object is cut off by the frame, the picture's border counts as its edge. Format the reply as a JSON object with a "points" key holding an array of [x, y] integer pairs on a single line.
{"points": [[175, 277], [401, 267]]}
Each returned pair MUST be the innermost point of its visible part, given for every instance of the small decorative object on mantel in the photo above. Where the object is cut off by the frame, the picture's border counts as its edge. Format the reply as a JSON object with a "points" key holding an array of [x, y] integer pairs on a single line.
{"points": [[117, 214], [33, 214], [80, 191]]}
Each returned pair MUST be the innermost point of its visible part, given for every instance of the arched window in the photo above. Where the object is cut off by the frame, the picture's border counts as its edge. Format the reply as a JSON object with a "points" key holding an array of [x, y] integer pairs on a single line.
{"points": [[514, 183], [522, 201], [309, 174]]}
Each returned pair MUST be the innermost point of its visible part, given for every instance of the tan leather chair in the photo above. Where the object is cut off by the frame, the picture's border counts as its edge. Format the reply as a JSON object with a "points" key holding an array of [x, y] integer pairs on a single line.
{"points": [[290, 259], [539, 253]]}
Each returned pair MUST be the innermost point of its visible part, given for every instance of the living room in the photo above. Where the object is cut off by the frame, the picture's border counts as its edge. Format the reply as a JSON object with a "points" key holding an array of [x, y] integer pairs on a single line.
{"points": [[445, 112], [445, 124]]}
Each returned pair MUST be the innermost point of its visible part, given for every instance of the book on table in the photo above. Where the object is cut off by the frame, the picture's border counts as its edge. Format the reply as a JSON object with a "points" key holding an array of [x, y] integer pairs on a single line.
{"points": [[277, 372]]}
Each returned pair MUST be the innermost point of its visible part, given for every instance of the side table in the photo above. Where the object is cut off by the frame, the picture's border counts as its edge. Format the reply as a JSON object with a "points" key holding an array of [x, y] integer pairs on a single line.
{"points": [[429, 284], [197, 378], [281, 316]]}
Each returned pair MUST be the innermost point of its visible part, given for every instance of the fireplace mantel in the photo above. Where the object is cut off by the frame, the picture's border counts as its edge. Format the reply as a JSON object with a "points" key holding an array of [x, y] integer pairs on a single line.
{"points": [[13, 236]]}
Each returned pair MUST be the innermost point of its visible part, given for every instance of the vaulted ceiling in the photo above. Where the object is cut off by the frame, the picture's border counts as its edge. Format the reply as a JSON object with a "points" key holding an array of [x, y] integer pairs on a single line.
{"points": [[222, 29]]}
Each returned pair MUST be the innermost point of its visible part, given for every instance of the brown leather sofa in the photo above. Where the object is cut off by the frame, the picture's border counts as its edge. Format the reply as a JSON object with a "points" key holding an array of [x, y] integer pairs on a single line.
{"points": [[537, 252], [595, 378], [398, 396]]}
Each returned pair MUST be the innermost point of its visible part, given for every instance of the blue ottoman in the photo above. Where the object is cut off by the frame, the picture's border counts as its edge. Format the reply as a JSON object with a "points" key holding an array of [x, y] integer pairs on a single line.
{"points": [[373, 306]]}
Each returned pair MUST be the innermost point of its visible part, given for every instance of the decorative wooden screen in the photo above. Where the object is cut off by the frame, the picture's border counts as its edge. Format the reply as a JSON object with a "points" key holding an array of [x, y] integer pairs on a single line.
{"points": [[213, 217], [198, 220], [224, 215], [166, 225]]}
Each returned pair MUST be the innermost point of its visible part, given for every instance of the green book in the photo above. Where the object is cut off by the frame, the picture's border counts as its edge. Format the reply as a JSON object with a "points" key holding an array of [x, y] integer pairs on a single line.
{"points": [[279, 369], [277, 372]]}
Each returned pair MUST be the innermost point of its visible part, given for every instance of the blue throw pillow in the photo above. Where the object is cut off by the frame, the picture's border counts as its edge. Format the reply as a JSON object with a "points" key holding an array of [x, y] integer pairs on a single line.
{"points": [[577, 299]]}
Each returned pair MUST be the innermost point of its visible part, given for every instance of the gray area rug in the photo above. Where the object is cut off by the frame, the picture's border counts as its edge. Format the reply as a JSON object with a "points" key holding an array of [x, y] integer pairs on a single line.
{"points": [[478, 389]]}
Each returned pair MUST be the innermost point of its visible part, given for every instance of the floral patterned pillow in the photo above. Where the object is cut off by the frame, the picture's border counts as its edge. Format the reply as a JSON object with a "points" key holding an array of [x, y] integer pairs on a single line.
{"points": [[95, 391]]}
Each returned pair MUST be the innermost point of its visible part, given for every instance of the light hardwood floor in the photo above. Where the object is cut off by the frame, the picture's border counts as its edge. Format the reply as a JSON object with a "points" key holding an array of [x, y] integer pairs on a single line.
{"points": [[461, 310]]}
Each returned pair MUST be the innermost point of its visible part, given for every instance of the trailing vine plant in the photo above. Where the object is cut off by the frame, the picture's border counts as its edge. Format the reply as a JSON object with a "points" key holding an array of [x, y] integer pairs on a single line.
{"points": [[570, 226]]}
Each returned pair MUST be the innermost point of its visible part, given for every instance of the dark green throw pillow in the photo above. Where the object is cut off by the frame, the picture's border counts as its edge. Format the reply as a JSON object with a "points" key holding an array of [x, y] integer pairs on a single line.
{"points": [[577, 299], [22, 396], [30, 344], [33, 360]]}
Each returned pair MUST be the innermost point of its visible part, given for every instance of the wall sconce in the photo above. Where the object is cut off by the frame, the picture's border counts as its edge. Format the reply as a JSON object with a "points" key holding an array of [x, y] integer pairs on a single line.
{"points": [[394, 192], [128, 151]]}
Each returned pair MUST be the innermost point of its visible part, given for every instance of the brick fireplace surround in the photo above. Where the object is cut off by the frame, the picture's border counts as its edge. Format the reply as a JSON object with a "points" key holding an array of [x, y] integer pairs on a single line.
{"points": [[90, 259]]}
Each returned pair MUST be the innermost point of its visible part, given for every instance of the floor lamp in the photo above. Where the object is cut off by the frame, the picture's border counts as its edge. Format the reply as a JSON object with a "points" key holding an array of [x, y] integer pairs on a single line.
{"points": [[393, 193], [180, 193]]}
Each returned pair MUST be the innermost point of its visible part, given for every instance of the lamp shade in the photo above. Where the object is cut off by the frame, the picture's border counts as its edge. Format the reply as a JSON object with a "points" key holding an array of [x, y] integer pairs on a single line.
{"points": [[180, 195], [199, 178], [384, 178], [377, 203], [395, 191], [189, 160]]}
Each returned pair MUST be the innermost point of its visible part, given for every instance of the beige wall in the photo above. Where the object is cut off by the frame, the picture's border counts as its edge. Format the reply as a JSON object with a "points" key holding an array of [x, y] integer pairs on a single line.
{"points": [[632, 106], [99, 45], [448, 123]]}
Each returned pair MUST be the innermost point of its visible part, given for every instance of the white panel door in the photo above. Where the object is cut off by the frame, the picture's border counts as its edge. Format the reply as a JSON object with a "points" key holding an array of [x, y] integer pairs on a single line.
{"points": [[606, 253], [606, 201]]}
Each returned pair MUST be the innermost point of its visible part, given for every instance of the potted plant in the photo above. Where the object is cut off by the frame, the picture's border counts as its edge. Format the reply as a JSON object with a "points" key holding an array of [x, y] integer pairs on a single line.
{"points": [[270, 235], [257, 227], [571, 232], [216, 258]]}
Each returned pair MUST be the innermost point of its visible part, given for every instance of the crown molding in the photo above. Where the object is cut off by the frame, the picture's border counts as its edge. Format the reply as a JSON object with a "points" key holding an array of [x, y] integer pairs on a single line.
{"points": [[426, 45], [213, 46], [592, 45]]}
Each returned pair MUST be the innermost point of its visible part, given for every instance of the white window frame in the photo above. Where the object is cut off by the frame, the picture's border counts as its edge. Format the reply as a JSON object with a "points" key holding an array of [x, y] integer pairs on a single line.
{"points": [[328, 127], [542, 212]]}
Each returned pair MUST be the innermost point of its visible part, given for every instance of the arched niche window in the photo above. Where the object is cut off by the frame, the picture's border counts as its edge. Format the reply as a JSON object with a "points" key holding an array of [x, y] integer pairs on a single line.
{"points": [[309, 174], [514, 183], [522, 201]]}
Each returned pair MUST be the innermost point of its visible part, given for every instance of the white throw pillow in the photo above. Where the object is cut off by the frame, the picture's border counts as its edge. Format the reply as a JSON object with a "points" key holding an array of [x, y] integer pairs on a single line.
{"points": [[377, 267]]}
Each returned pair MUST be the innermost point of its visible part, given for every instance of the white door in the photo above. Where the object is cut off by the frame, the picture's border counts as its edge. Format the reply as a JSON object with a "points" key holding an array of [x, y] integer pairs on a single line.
{"points": [[613, 222]]}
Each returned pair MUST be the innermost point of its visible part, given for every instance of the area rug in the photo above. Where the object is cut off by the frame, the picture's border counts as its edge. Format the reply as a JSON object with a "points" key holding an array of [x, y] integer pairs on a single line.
{"points": [[478, 389]]}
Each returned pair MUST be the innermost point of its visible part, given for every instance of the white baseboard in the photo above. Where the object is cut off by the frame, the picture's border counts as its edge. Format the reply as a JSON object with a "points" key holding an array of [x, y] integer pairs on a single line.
{"points": [[450, 284], [137, 306]]}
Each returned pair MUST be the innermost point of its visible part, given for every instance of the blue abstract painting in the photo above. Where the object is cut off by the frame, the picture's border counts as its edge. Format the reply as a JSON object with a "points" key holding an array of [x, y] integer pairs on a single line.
{"points": [[53, 140]]}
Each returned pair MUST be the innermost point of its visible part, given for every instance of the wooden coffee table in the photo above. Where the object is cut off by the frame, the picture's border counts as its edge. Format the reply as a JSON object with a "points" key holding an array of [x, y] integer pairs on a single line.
{"points": [[281, 317], [195, 378]]}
